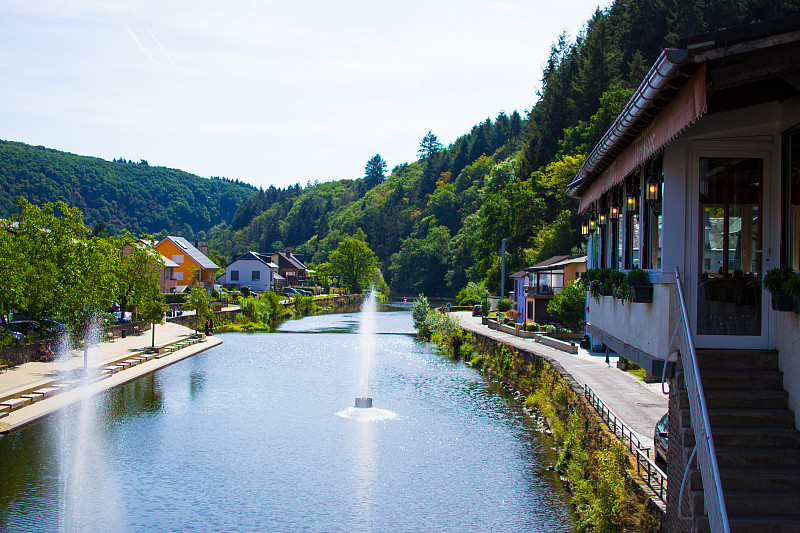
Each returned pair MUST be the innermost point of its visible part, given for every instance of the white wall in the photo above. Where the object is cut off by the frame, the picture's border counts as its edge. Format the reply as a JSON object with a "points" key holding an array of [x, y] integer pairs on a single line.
{"points": [[647, 327], [245, 268], [788, 343]]}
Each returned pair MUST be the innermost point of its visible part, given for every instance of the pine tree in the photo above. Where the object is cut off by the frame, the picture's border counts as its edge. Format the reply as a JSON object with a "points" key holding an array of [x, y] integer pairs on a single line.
{"points": [[375, 171]]}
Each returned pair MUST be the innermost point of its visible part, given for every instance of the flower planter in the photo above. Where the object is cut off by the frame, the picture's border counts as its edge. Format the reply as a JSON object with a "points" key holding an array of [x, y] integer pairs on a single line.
{"points": [[782, 301], [796, 301], [606, 291], [641, 294]]}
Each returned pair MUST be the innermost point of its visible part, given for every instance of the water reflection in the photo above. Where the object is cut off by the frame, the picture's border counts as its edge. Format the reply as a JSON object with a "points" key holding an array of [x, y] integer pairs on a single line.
{"points": [[244, 437]]}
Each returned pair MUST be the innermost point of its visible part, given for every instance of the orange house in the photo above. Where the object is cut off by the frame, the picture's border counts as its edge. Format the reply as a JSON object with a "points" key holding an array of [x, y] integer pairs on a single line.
{"points": [[193, 267]]}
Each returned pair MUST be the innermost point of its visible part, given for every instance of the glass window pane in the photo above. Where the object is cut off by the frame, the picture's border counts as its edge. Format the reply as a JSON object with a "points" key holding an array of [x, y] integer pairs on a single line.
{"points": [[729, 287]]}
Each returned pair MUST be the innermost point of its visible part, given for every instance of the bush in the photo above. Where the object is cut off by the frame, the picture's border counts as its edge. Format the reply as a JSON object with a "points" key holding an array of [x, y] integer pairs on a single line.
{"points": [[255, 310], [175, 298], [504, 305], [472, 294], [245, 290], [419, 312], [568, 306]]}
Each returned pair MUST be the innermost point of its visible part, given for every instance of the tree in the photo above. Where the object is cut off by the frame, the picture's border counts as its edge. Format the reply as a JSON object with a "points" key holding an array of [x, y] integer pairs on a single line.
{"points": [[375, 171], [151, 309], [63, 271], [569, 305], [198, 302], [137, 269], [429, 146], [353, 262]]}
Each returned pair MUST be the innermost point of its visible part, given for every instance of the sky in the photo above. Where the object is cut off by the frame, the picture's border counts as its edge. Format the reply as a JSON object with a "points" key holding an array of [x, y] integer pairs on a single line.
{"points": [[269, 93]]}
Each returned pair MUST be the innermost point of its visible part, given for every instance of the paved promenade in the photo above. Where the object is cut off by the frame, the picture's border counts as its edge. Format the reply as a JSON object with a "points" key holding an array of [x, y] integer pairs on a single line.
{"points": [[639, 405], [24, 379]]}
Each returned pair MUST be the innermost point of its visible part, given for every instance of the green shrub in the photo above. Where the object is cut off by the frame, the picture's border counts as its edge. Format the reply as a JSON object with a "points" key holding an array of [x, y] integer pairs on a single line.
{"points": [[245, 290], [504, 305], [568, 306], [175, 297]]}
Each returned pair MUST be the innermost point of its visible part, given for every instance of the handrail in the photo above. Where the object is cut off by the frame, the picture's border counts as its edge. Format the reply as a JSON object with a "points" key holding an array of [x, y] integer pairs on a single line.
{"points": [[614, 423], [655, 478], [646, 468], [706, 453]]}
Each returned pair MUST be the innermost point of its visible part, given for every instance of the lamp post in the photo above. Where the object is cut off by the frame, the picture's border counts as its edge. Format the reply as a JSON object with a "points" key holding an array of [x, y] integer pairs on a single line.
{"points": [[502, 268]]}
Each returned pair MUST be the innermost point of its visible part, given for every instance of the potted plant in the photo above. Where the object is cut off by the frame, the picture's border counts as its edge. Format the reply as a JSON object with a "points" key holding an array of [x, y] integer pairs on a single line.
{"points": [[604, 276], [619, 285], [790, 289], [781, 282], [640, 289]]}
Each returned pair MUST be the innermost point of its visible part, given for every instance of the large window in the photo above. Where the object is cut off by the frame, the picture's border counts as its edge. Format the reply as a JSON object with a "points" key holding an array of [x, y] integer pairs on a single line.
{"points": [[729, 286], [651, 213], [791, 196], [234, 275]]}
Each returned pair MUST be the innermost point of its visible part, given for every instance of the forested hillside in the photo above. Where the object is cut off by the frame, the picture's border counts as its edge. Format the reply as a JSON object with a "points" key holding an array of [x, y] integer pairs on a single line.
{"points": [[120, 194], [436, 224]]}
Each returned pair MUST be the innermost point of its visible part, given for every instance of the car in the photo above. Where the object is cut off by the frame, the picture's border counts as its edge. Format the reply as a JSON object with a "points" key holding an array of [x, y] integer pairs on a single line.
{"points": [[661, 438], [15, 335], [304, 292], [290, 291], [23, 327], [476, 310]]}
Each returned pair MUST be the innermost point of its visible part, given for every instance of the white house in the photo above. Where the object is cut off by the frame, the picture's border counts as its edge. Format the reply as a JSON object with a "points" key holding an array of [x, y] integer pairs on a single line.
{"points": [[701, 172], [252, 269]]}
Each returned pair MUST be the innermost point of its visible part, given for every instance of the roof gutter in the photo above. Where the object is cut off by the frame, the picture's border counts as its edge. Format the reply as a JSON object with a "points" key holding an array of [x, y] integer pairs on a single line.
{"points": [[659, 77]]}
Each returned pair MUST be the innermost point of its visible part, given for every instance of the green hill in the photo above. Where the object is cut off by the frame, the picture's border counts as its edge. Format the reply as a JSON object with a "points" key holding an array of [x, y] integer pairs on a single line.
{"points": [[120, 194]]}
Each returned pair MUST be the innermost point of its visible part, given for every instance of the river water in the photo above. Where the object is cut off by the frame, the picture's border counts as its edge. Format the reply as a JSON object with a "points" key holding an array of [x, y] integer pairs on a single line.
{"points": [[257, 434]]}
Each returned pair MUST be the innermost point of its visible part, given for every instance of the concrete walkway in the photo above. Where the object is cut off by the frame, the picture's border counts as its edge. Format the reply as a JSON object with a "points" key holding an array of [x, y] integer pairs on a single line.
{"points": [[639, 405], [58, 375]]}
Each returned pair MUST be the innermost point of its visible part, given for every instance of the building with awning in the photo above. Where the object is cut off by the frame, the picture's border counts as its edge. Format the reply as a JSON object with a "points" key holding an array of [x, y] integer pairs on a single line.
{"points": [[700, 174]]}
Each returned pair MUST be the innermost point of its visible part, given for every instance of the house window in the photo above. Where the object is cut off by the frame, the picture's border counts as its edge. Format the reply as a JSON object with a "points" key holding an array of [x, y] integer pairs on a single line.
{"points": [[178, 276], [177, 258], [791, 209], [651, 232], [234, 275], [256, 276]]}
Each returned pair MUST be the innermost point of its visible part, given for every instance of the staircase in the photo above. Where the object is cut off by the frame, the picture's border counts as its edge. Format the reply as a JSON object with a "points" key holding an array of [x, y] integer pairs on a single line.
{"points": [[758, 448]]}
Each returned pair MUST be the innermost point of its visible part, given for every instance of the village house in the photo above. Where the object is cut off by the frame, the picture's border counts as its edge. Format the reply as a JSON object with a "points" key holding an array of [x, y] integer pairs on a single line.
{"points": [[700, 175], [192, 265], [290, 267], [253, 269]]}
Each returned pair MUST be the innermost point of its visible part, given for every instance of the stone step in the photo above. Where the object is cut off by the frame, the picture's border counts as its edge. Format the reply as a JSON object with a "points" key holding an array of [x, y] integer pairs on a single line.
{"points": [[772, 438], [737, 379], [759, 418], [737, 359], [766, 479], [757, 524], [756, 457], [750, 399], [754, 503]]}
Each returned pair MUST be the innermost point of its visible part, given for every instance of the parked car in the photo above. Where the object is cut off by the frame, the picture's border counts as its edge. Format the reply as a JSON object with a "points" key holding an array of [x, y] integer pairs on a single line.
{"points": [[661, 438], [304, 292], [18, 337], [23, 327], [290, 291], [476, 310]]}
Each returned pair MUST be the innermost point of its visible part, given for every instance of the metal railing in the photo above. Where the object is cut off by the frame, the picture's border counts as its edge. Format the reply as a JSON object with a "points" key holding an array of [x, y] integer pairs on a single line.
{"points": [[704, 443], [646, 468], [614, 423]]}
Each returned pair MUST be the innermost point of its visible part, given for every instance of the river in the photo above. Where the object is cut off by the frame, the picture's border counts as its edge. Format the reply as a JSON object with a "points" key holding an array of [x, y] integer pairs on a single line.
{"points": [[257, 435]]}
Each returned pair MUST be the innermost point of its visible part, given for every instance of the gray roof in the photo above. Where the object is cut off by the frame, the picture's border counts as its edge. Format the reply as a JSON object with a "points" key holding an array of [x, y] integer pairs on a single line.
{"points": [[196, 255], [255, 256]]}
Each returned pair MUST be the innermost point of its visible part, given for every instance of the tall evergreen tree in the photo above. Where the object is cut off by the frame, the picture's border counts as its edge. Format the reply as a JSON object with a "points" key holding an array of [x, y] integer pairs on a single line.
{"points": [[375, 171]]}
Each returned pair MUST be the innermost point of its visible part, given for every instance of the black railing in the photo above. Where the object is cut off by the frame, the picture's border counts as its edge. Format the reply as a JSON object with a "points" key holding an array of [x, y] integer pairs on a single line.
{"points": [[614, 423], [646, 468]]}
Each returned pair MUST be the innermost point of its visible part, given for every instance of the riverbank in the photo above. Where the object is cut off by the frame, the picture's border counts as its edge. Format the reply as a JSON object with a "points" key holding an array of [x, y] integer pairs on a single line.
{"points": [[600, 467], [34, 390]]}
